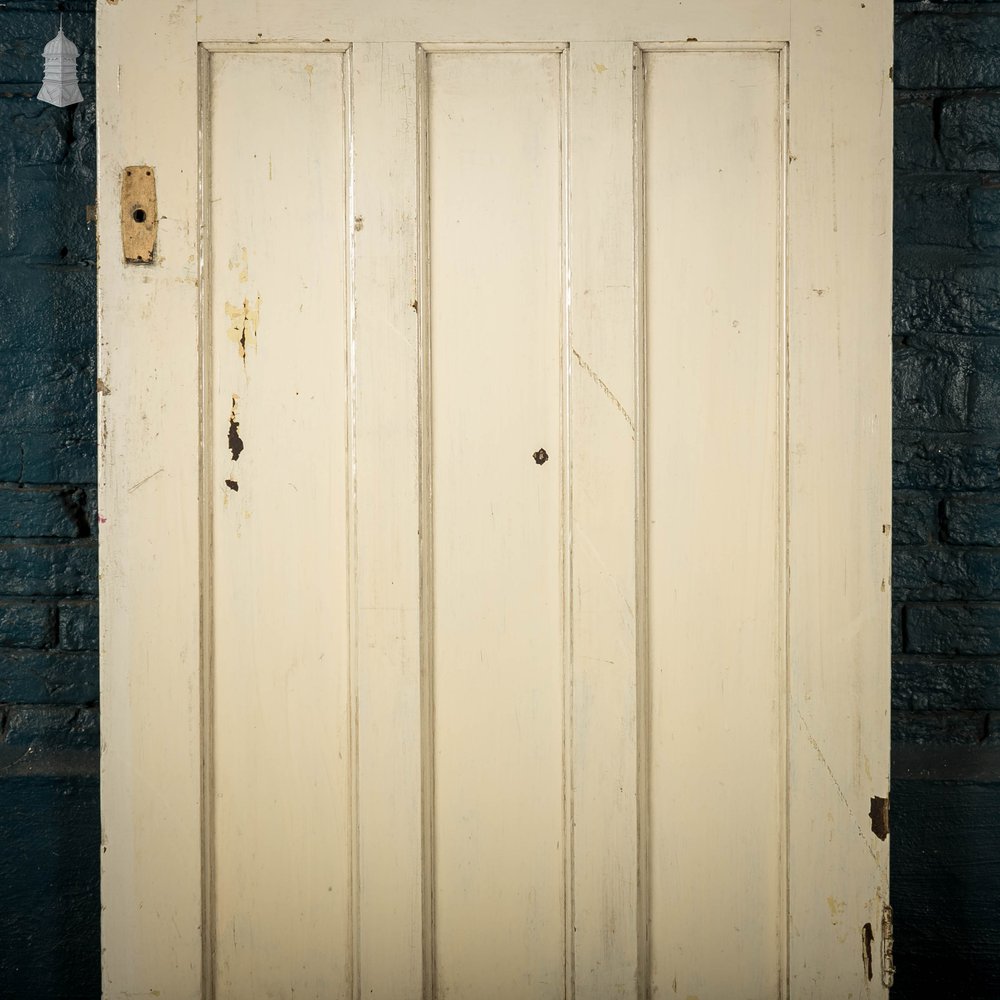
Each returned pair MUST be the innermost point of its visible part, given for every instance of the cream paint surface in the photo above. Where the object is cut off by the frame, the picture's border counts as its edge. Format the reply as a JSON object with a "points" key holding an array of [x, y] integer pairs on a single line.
{"points": [[497, 334], [280, 692], [715, 506], [468, 725]]}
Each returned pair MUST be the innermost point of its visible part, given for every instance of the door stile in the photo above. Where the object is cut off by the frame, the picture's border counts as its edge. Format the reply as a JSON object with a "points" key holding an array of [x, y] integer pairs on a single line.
{"points": [[148, 409], [839, 307]]}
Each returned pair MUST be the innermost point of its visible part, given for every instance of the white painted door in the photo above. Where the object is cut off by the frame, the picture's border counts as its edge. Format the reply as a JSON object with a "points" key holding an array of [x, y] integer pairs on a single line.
{"points": [[494, 492]]}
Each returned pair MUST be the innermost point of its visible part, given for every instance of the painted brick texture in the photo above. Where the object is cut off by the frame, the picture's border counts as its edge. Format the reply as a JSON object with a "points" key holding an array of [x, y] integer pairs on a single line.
{"points": [[49, 816], [946, 517]]}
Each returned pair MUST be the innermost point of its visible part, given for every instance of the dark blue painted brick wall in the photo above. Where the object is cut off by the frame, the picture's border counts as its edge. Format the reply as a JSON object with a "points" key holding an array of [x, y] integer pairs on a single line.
{"points": [[946, 573], [945, 844], [49, 818]]}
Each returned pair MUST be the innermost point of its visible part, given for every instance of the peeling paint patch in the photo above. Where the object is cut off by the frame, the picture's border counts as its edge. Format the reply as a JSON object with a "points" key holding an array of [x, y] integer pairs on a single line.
{"points": [[879, 814], [235, 441], [233, 485], [867, 936], [102, 387], [243, 322]]}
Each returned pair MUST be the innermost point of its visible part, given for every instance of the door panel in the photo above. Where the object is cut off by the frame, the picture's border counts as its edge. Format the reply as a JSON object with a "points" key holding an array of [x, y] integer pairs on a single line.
{"points": [[496, 335], [716, 549], [494, 543], [280, 697]]}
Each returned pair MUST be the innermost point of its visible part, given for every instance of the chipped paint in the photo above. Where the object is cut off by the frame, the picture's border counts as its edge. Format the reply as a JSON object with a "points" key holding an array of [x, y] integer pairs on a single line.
{"points": [[243, 322], [879, 814], [888, 961], [867, 936], [235, 441]]}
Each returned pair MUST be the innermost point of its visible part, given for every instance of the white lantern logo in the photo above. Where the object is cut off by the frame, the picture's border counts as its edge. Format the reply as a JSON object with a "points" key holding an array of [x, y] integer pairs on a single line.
{"points": [[59, 87]]}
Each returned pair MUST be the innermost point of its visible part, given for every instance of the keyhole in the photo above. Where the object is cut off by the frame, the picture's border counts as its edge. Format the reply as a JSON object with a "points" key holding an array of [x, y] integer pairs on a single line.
{"points": [[139, 215], [541, 456]]}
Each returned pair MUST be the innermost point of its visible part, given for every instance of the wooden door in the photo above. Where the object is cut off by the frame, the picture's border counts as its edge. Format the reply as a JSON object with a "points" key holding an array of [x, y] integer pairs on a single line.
{"points": [[494, 500]]}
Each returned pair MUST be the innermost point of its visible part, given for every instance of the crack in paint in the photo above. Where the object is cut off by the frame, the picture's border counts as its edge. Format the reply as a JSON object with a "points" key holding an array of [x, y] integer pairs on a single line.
{"points": [[607, 390], [836, 784]]}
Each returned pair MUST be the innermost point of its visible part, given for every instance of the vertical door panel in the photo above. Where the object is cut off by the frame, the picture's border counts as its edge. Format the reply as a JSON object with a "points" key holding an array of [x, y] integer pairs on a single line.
{"points": [[496, 331], [277, 488], [714, 342]]}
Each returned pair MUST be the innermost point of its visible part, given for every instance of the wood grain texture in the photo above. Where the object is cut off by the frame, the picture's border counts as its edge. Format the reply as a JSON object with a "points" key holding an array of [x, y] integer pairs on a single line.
{"points": [[419, 588], [481, 21], [714, 416], [497, 293], [604, 733], [278, 434], [390, 759], [148, 361], [840, 236]]}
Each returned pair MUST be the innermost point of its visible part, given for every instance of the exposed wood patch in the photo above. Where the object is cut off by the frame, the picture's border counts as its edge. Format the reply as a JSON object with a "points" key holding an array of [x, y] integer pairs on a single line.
{"points": [[879, 814], [867, 936], [235, 441]]}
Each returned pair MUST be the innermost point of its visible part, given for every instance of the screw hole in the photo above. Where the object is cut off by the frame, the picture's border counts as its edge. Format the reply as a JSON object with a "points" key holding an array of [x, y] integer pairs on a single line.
{"points": [[541, 456], [139, 215]]}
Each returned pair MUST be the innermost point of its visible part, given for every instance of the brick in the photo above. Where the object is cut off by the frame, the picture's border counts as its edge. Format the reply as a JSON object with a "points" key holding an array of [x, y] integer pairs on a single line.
{"points": [[32, 132], [896, 628], [970, 728], [984, 214], [928, 464], [973, 521], [945, 573], [947, 51], [34, 569], [48, 677], [983, 411], [973, 629], [78, 625], [59, 456], [52, 726], [946, 292], [913, 136], [932, 211], [969, 133], [938, 684], [44, 513], [914, 520], [39, 215], [49, 308], [930, 383], [28, 624]]}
